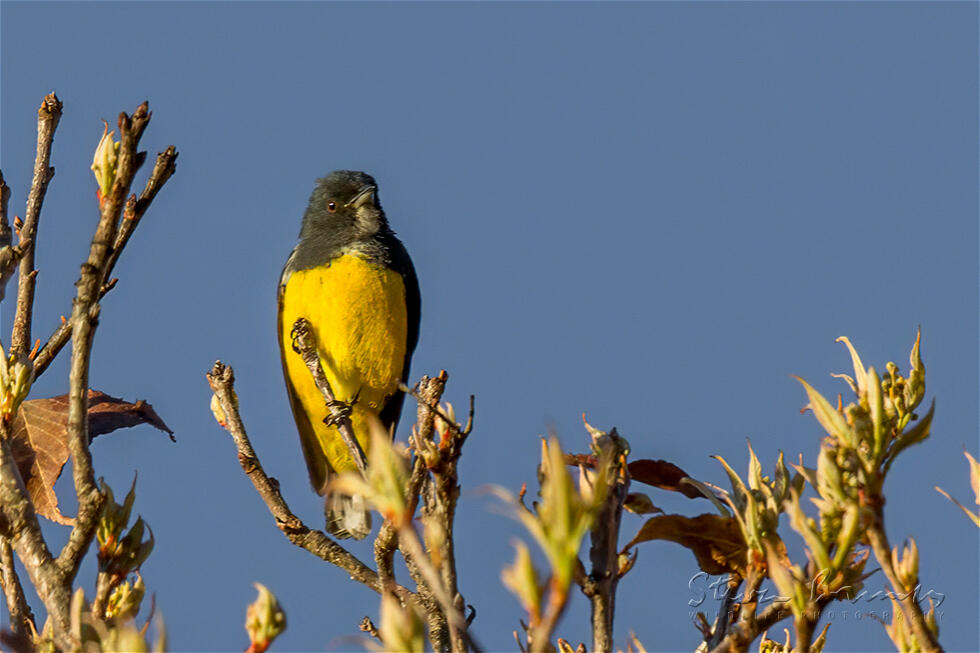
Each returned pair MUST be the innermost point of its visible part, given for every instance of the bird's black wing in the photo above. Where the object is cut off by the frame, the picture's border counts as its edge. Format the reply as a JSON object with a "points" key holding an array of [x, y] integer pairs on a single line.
{"points": [[401, 262]]}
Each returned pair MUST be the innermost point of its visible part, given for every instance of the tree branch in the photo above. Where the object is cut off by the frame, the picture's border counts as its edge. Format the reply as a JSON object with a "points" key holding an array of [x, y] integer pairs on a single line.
{"points": [[22, 622], [163, 169], [304, 344], [222, 381], [604, 551], [9, 254], [48, 116], [84, 320]]}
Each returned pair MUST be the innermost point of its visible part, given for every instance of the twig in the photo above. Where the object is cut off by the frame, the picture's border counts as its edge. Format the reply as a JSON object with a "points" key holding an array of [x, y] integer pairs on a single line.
{"points": [[740, 636], [906, 599], [453, 426], [222, 381], [411, 547], [163, 169], [368, 627], [6, 235], [9, 255], [305, 344], [48, 116], [604, 552], [84, 320], [387, 540], [21, 618], [724, 616], [441, 493]]}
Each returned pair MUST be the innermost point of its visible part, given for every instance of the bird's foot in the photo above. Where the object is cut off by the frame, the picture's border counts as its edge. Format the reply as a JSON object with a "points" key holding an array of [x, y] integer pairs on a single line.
{"points": [[339, 410]]}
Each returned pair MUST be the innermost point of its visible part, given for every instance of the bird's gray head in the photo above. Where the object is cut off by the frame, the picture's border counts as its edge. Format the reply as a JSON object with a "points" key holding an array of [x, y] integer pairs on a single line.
{"points": [[344, 209]]}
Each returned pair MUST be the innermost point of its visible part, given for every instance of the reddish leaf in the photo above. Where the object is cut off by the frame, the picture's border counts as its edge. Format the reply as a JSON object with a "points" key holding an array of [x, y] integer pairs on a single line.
{"points": [[664, 475], [714, 540], [658, 473], [40, 446]]}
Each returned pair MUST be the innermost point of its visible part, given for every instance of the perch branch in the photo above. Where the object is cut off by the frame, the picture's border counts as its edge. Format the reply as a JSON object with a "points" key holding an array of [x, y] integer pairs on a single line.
{"points": [[222, 381], [304, 342], [48, 116]]}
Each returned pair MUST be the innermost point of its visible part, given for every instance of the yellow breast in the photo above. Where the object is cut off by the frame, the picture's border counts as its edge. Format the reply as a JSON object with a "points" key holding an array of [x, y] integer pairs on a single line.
{"points": [[358, 313]]}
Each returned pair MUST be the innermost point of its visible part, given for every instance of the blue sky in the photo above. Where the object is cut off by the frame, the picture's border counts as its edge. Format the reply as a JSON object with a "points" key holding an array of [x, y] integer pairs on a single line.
{"points": [[653, 213]]}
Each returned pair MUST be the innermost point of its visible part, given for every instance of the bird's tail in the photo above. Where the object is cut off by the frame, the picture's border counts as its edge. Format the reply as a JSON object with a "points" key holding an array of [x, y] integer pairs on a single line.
{"points": [[347, 516]]}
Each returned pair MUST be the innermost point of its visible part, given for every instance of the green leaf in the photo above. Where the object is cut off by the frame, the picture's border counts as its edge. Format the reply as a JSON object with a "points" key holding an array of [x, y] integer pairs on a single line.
{"points": [[739, 491], [831, 420], [876, 404], [859, 373]]}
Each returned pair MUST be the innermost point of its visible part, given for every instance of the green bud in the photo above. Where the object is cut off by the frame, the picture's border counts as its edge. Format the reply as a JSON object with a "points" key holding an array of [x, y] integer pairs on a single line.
{"points": [[264, 619], [104, 161], [16, 377], [125, 600]]}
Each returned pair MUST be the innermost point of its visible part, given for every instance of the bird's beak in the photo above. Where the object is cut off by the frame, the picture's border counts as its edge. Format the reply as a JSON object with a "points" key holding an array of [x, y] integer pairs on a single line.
{"points": [[366, 195]]}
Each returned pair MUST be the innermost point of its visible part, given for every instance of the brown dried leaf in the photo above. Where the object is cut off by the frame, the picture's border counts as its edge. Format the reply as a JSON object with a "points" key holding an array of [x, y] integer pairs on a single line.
{"points": [[664, 475], [714, 540], [40, 446], [658, 473]]}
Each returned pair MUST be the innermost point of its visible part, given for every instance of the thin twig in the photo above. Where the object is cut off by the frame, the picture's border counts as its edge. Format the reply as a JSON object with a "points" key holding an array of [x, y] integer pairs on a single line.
{"points": [[222, 381], [724, 617], [9, 254], [84, 320], [305, 344], [453, 426], [411, 547], [441, 494], [48, 116], [6, 235], [368, 627], [163, 169], [21, 618]]}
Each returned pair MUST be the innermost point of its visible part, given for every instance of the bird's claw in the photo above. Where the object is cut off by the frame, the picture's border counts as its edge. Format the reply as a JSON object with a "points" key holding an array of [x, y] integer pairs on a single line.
{"points": [[339, 410]]}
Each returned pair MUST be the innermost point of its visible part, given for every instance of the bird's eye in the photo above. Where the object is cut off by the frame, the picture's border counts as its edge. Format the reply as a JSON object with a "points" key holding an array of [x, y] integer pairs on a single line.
{"points": [[332, 207]]}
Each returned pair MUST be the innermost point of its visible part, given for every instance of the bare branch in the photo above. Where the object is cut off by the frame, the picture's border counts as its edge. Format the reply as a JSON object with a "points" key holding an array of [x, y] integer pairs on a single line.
{"points": [[48, 116], [9, 255], [222, 381], [604, 552], [6, 235], [84, 320], [21, 618], [163, 169]]}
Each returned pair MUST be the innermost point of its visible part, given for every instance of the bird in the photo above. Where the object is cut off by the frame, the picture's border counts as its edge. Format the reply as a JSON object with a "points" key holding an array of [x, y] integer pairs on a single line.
{"points": [[352, 279]]}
